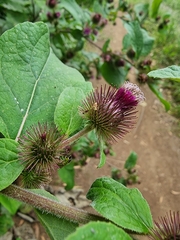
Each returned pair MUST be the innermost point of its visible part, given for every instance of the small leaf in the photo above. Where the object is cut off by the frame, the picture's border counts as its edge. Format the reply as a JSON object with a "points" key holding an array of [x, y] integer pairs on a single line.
{"points": [[171, 72], [154, 89], [155, 7], [10, 204], [57, 228], [126, 41], [98, 8], [66, 174], [99, 231], [113, 75], [106, 45], [138, 38], [142, 8], [10, 166], [147, 43], [125, 207], [131, 161], [75, 10], [102, 155], [134, 30], [66, 115]]}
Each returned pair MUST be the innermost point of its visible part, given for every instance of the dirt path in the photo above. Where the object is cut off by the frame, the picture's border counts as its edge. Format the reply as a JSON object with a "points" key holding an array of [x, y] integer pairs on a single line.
{"points": [[158, 148]]}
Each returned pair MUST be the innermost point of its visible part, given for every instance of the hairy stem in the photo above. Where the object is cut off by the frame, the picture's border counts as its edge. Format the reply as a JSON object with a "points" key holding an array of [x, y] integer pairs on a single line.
{"points": [[75, 137], [50, 206]]}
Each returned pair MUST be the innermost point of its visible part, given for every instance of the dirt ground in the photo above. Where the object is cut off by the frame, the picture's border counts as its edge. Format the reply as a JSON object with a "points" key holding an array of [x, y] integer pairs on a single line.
{"points": [[154, 141]]}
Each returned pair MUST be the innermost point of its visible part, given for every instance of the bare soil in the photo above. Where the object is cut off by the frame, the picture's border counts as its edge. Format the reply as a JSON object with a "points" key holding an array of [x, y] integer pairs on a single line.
{"points": [[156, 144]]}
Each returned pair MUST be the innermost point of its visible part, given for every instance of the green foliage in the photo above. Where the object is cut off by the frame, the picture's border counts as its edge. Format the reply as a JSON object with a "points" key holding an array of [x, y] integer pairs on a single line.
{"points": [[102, 155], [127, 175], [93, 231], [125, 207], [138, 39], [71, 98], [36, 87], [57, 228], [67, 175], [29, 103], [155, 90], [6, 223], [12, 205], [11, 168], [131, 161], [113, 75], [171, 72], [155, 4]]}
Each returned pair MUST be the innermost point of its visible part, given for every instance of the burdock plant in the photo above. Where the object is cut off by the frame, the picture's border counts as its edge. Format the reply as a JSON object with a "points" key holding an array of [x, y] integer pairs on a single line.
{"points": [[109, 111], [39, 151], [112, 112]]}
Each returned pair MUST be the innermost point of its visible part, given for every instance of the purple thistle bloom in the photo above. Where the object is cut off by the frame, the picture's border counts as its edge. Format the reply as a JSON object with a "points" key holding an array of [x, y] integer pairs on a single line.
{"points": [[112, 112], [87, 31], [57, 14], [168, 227]]}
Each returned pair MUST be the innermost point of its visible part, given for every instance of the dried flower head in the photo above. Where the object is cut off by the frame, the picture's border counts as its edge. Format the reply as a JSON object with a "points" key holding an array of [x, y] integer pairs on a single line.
{"points": [[112, 112], [168, 227], [39, 148]]}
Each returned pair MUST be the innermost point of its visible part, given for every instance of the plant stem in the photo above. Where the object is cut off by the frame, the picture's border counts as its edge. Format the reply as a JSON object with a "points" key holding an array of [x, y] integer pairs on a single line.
{"points": [[93, 43], [50, 206], [75, 137]]}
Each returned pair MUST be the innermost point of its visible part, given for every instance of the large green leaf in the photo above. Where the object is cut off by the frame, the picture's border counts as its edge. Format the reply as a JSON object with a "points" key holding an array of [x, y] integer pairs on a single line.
{"points": [[99, 231], [155, 90], [155, 7], [57, 228], [66, 115], [3, 128], [115, 76], [171, 72], [125, 207], [10, 166], [31, 77]]}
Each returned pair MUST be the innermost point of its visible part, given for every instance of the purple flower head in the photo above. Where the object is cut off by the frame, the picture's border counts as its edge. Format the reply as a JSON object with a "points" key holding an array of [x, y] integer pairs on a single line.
{"points": [[103, 22], [51, 3], [49, 16], [112, 112], [57, 15], [96, 18], [87, 31]]}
